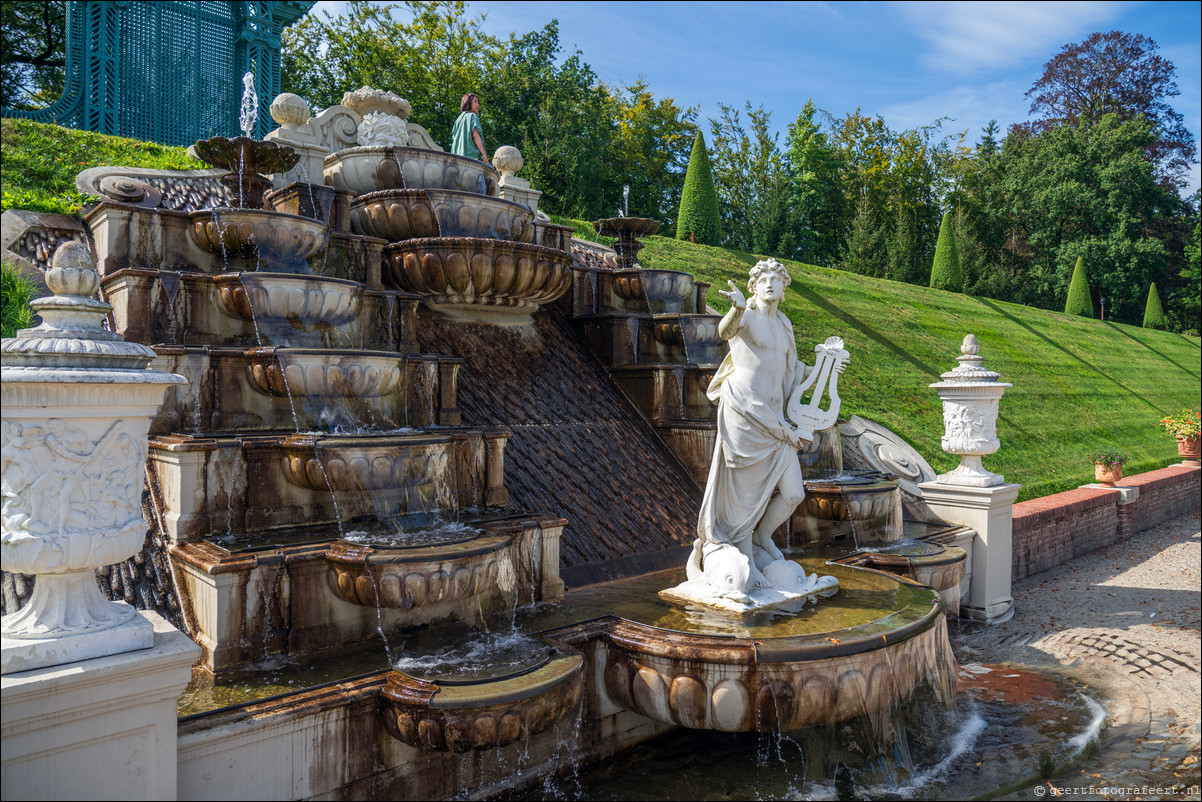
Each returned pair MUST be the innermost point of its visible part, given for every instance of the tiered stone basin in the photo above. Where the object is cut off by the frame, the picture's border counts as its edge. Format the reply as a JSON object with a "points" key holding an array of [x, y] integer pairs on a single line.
{"points": [[187, 308], [686, 338], [493, 279], [627, 230], [443, 716], [655, 291], [668, 392], [324, 374], [440, 565], [312, 388], [250, 483], [254, 239], [866, 506], [932, 564], [860, 652], [370, 169], [419, 472], [283, 296], [401, 214]]}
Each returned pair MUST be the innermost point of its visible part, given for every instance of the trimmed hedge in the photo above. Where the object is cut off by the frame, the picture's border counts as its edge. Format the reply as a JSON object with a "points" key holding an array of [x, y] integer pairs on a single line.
{"points": [[945, 272], [1079, 301], [699, 200], [1154, 312]]}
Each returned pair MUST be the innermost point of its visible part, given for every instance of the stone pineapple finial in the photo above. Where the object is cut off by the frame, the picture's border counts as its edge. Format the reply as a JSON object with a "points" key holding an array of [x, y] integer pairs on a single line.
{"points": [[290, 111], [72, 333], [508, 160]]}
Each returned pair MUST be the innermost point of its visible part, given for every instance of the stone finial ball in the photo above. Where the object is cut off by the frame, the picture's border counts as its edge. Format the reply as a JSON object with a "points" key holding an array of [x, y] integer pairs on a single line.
{"points": [[365, 100], [289, 110], [508, 159], [71, 272]]}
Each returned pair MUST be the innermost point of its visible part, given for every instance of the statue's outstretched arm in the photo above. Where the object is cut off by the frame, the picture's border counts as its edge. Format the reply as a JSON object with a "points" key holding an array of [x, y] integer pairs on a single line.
{"points": [[732, 321]]}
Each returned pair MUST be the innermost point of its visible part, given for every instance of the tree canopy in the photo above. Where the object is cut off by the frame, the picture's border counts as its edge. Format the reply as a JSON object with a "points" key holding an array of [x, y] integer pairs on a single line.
{"points": [[32, 53], [1116, 73]]}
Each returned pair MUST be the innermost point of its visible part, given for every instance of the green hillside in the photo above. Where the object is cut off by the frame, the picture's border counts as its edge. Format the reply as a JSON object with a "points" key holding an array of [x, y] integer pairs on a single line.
{"points": [[40, 162], [1078, 383]]}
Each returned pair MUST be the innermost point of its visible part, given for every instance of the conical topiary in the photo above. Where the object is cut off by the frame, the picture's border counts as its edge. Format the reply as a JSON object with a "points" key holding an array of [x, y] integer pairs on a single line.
{"points": [[1079, 302], [699, 200], [945, 273], [1153, 312]]}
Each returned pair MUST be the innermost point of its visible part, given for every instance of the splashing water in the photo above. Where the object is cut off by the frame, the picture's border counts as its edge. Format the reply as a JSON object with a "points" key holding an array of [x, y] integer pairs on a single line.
{"points": [[249, 113], [624, 209]]}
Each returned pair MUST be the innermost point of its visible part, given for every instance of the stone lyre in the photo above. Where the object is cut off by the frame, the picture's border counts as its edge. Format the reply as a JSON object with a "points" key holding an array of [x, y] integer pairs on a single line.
{"points": [[809, 417]]}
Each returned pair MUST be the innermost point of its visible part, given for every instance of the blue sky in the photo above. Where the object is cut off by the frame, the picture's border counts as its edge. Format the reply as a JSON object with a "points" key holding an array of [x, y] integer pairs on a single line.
{"points": [[911, 63]]}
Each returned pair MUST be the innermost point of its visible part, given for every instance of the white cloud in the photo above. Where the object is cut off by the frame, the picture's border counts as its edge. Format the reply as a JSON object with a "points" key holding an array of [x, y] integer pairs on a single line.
{"points": [[970, 36], [970, 107]]}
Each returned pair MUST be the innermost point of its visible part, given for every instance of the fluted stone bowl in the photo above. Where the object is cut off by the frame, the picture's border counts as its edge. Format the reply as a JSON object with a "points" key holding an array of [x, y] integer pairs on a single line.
{"points": [[276, 241], [354, 464], [488, 279], [307, 300], [401, 214], [628, 226], [372, 168], [657, 291], [325, 373]]}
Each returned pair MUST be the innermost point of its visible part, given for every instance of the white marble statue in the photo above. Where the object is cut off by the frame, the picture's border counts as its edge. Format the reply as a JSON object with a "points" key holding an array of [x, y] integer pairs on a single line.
{"points": [[734, 565]]}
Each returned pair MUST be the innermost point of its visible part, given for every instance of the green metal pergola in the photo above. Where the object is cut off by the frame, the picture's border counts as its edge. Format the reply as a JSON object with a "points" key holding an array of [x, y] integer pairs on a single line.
{"points": [[168, 72]]}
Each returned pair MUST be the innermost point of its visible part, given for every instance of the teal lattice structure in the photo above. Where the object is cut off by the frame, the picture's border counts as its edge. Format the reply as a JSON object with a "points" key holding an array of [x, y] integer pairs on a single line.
{"points": [[168, 72]]}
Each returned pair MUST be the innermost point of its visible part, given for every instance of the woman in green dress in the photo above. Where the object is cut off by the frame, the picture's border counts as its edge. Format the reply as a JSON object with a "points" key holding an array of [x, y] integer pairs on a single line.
{"points": [[467, 137]]}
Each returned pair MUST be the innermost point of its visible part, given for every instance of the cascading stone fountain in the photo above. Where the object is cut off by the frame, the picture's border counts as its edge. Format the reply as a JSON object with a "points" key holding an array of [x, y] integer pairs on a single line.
{"points": [[78, 401]]}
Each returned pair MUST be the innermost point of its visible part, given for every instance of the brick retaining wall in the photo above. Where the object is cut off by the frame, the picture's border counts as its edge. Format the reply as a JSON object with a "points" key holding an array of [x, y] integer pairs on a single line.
{"points": [[1051, 530]]}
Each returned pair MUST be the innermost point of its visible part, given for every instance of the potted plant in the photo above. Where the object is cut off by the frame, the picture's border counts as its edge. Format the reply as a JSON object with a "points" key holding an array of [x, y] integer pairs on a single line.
{"points": [[1108, 464], [1186, 426]]}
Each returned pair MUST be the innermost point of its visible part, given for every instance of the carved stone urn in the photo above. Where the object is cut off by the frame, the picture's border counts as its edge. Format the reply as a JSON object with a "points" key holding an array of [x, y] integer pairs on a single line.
{"points": [[77, 403], [970, 396]]}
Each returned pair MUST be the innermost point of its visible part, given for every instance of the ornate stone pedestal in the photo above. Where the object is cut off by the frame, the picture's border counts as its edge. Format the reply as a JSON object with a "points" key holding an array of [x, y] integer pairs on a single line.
{"points": [[989, 512], [970, 495], [77, 404], [970, 396], [98, 729]]}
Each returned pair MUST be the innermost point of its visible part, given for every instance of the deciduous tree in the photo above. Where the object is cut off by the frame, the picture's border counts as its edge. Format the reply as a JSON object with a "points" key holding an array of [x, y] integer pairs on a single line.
{"points": [[1117, 73], [32, 53]]}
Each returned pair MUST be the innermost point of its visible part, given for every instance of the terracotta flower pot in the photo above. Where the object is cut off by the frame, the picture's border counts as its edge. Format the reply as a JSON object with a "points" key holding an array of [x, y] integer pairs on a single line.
{"points": [[1107, 474], [1190, 449]]}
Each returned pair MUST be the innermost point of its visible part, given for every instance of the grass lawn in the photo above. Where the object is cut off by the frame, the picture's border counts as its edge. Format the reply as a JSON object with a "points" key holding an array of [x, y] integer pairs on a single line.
{"points": [[39, 162], [1078, 383]]}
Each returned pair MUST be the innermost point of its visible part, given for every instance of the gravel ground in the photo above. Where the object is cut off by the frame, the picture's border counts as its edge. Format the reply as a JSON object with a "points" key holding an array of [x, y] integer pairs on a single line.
{"points": [[1128, 619]]}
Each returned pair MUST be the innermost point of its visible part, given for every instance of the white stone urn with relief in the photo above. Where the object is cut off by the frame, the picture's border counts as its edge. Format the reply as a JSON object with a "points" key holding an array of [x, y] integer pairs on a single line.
{"points": [[77, 404], [970, 396]]}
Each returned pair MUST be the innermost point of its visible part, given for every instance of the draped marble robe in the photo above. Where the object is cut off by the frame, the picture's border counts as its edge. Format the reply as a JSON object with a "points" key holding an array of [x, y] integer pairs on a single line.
{"points": [[753, 450]]}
